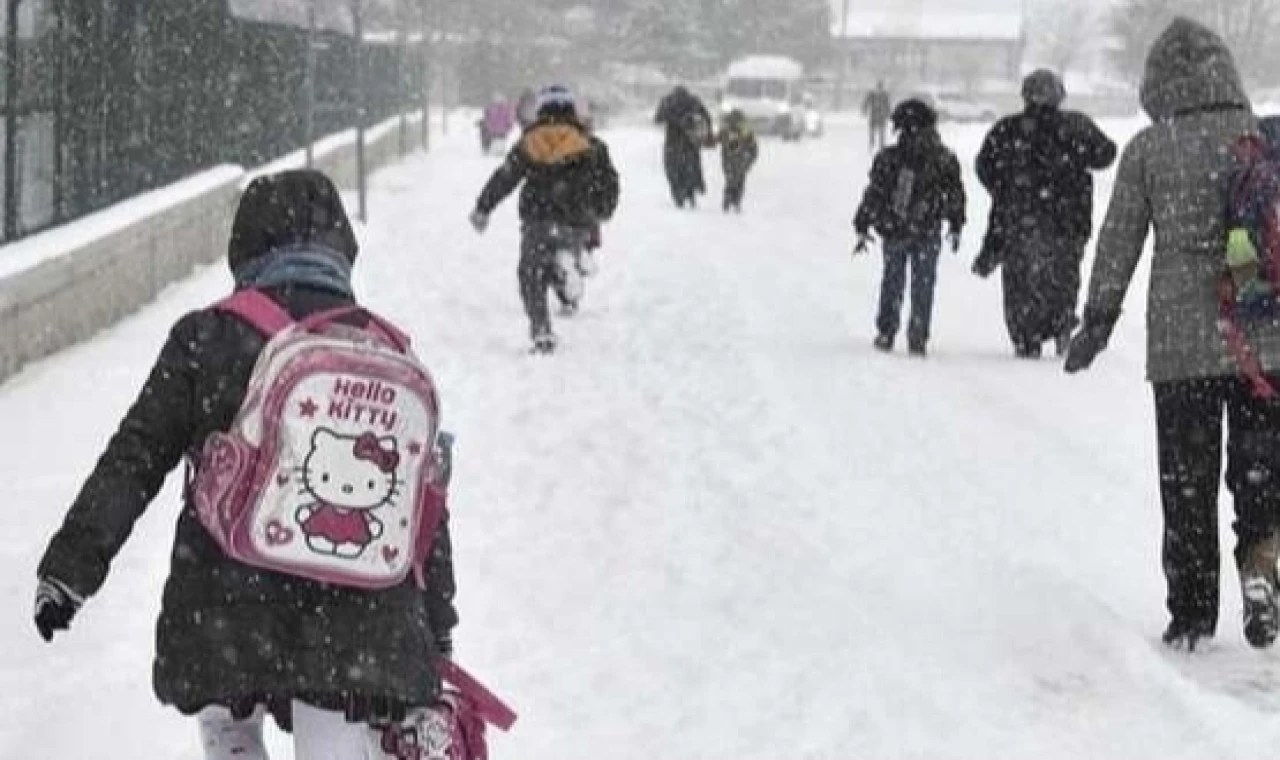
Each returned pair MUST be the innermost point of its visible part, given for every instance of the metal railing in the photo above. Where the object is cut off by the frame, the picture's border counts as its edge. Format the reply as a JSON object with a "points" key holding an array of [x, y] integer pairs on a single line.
{"points": [[105, 99]]}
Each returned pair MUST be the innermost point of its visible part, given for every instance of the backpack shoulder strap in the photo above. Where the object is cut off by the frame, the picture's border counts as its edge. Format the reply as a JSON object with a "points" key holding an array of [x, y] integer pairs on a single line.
{"points": [[377, 324], [258, 309]]}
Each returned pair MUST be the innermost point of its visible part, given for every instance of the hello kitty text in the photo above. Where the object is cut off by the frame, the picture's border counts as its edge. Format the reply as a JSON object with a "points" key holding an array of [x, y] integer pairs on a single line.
{"points": [[363, 403]]}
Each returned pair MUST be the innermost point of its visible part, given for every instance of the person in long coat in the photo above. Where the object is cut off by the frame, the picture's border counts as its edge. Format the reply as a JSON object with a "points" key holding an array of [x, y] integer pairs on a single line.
{"points": [[1173, 179], [1038, 167], [688, 131]]}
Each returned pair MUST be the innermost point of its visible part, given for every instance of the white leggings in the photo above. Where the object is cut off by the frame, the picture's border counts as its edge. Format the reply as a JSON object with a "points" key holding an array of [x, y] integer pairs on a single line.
{"points": [[317, 735]]}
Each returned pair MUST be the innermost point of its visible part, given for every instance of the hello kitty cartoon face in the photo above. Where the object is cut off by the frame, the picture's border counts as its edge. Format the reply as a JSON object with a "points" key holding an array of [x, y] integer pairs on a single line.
{"points": [[351, 472]]}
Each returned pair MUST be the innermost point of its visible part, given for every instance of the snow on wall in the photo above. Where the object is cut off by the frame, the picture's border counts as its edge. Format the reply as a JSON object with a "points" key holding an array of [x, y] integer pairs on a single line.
{"points": [[69, 238], [64, 285]]}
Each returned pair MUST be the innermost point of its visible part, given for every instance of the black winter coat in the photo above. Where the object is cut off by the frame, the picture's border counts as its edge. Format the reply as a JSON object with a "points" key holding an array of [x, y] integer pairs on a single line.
{"points": [[1038, 167], [739, 150], [228, 633], [568, 176], [915, 187], [688, 129]]}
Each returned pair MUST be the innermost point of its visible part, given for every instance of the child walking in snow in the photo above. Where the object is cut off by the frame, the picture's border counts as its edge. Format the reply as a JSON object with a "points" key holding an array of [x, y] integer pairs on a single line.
{"points": [[738, 153], [235, 642], [569, 186], [915, 187]]}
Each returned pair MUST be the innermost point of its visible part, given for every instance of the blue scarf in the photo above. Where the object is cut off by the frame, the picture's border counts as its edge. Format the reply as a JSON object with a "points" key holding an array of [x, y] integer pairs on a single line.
{"points": [[307, 264]]}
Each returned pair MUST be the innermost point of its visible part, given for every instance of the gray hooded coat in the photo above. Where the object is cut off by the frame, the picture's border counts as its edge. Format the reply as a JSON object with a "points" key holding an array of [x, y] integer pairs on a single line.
{"points": [[1174, 177]]}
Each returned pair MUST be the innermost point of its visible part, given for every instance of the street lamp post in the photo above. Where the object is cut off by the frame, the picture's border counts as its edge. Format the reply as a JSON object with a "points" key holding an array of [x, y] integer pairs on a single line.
{"points": [[402, 70], [11, 207], [357, 23], [842, 56], [309, 118], [426, 51]]}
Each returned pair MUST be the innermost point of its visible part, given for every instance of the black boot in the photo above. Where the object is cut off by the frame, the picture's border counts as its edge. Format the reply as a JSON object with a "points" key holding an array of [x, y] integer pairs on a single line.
{"points": [[1261, 621], [1186, 634], [544, 340], [1258, 587], [883, 343]]}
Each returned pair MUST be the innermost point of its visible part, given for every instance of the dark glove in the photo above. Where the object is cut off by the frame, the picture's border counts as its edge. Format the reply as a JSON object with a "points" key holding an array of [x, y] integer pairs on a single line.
{"points": [[56, 604], [988, 260], [1089, 341], [444, 457], [479, 221], [864, 240], [444, 644]]}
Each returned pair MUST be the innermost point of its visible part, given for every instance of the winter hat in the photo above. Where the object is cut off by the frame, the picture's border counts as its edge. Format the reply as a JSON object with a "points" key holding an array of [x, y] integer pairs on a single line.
{"points": [[914, 115], [292, 207], [557, 100], [1043, 88]]}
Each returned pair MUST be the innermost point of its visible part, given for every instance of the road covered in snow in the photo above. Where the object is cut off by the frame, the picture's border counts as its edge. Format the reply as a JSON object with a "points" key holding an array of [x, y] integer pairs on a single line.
{"points": [[717, 524]]}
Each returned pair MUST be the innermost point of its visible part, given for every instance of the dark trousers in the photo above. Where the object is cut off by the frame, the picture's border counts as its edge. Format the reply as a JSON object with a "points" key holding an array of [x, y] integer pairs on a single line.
{"points": [[1189, 417], [922, 257], [539, 271], [1041, 280], [735, 186]]}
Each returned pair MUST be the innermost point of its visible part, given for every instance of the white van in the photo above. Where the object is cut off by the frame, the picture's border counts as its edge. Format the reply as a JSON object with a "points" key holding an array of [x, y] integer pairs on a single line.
{"points": [[770, 91]]}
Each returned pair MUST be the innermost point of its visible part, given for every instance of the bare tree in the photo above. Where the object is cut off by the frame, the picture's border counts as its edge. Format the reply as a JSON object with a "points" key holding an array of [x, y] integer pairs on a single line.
{"points": [[1249, 27]]}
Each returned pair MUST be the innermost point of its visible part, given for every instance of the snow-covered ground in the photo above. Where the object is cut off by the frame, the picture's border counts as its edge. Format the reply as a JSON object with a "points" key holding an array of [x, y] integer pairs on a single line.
{"points": [[717, 525]]}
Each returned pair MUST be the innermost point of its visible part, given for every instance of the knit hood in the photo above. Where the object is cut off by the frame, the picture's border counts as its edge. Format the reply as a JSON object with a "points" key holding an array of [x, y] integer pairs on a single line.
{"points": [[1190, 69], [283, 211]]}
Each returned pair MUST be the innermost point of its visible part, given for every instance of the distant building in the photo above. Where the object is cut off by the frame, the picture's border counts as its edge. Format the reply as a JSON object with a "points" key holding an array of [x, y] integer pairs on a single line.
{"points": [[933, 49]]}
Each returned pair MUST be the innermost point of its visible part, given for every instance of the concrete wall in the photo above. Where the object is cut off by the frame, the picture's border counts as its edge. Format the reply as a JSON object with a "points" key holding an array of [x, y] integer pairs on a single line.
{"points": [[61, 287]]}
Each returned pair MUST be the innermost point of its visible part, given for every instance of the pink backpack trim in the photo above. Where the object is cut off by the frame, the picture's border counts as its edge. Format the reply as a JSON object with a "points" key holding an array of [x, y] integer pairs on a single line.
{"points": [[487, 704], [259, 310], [213, 471], [270, 318], [467, 707]]}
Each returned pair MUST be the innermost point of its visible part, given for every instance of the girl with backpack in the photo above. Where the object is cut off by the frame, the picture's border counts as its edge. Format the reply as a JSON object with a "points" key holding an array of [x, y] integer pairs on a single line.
{"points": [[237, 641], [1175, 178], [915, 187]]}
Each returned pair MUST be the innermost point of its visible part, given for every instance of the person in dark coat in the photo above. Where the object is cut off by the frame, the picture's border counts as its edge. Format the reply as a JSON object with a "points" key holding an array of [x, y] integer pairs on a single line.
{"points": [[570, 187], [739, 150], [233, 640], [1038, 167], [877, 107], [915, 187], [688, 127], [1173, 182]]}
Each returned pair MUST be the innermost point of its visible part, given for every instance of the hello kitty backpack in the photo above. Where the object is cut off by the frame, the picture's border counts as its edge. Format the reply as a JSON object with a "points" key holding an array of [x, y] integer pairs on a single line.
{"points": [[331, 469]]}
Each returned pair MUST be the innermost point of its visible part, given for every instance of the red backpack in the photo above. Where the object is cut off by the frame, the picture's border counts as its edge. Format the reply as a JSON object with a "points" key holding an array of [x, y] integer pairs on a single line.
{"points": [[1250, 283]]}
